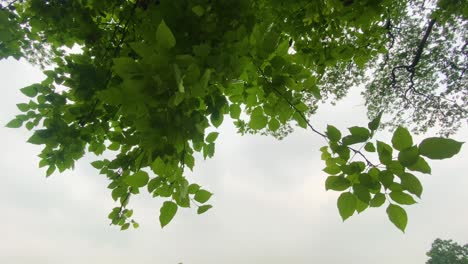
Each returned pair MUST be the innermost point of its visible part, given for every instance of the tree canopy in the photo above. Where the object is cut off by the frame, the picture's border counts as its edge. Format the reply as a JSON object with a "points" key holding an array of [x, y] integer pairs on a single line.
{"points": [[154, 80], [447, 252]]}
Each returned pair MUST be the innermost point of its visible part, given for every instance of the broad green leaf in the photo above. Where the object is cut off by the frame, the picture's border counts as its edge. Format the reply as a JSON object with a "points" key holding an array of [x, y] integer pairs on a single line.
{"points": [[167, 213], [257, 119], [234, 111], [98, 164], [343, 152], [408, 156], [395, 187], [346, 205], [369, 147], [273, 124], [179, 80], [439, 147], [397, 216], [30, 91], [114, 146], [421, 166], [361, 206], [193, 188], [138, 179], [204, 208], [36, 139], [154, 183], [50, 170], [402, 198], [385, 152], [411, 183], [366, 180], [164, 36], [119, 192], [198, 10], [202, 196], [23, 107], [377, 200], [216, 119], [159, 167], [337, 183], [212, 137], [125, 226], [360, 132], [395, 167], [332, 169], [402, 139], [361, 192], [15, 123], [374, 124], [333, 133]]}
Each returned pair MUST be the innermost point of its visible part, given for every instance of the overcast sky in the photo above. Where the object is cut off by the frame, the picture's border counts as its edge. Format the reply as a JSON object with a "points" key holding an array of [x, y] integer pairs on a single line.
{"points": [[270, 204]]}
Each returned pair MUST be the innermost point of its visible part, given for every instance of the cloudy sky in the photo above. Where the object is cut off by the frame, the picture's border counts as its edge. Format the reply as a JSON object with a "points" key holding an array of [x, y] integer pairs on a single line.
{"points": [[270, 204]]}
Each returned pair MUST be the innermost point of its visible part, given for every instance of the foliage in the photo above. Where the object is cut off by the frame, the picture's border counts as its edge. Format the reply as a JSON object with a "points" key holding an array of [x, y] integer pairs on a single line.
{"points": [[153, 77], [447, 252]]}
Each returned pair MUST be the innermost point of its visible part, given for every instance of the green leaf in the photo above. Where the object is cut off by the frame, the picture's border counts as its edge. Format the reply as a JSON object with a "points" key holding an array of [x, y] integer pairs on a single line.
{"points": [[159, 167], [439, 147], [234, 111], [257, 119], [350, 140], [346, 205], [30, 91], [154, 183], [377, 200], [114, 146], [203, 208], [411, 183], [15, 123], [369, 147], [397, 216], [50, 170], [193, 188], [408, 156], [360, 132], [421, 166], [179, 81], [361, 192], [374, 124], [198, 10], [167, 213], [402, 139], [202, 196], [333, 133], [332, 169], [361, 206], [138, 179], [36, 139], [273, 124], [216, 119], [212, 137], [164, 36], [23, 107], [98, 164], [402, 198], [119, 192], [385, 152], [337, 183]]}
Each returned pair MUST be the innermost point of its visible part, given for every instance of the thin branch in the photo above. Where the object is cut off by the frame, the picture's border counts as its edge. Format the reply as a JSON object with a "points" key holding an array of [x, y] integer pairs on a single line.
{"points": [[293, 106], [362, 155], [307, 121]]}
